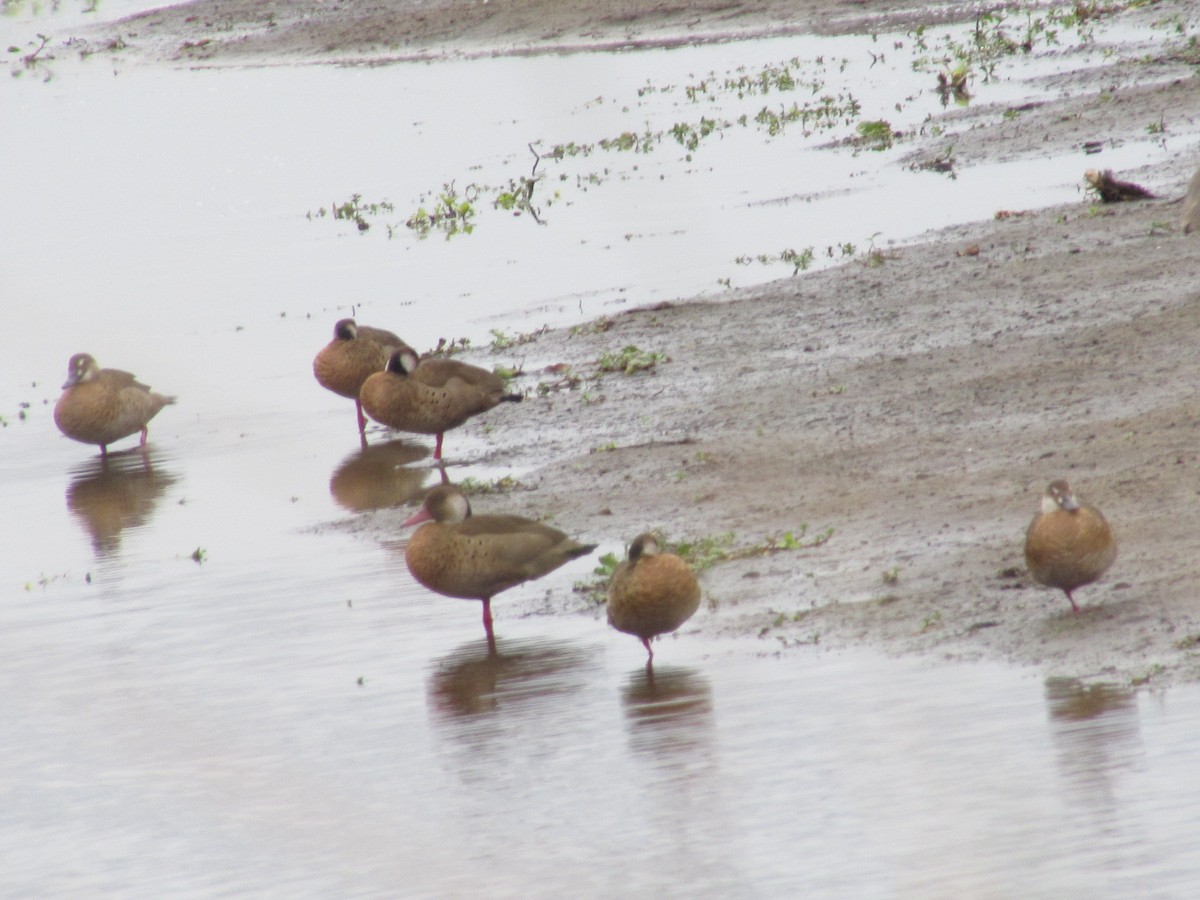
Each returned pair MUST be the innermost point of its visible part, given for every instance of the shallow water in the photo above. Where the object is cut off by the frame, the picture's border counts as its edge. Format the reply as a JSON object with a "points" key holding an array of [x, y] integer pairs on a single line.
{"points": [[208, 690], [222, 743]]}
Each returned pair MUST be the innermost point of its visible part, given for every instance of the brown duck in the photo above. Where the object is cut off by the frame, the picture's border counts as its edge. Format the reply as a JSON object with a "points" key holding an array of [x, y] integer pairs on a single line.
{"points": [[430, 396], [1190, 220], [1067, 544], [355, 353], [651, 592], [99, 406], [476, 557]]}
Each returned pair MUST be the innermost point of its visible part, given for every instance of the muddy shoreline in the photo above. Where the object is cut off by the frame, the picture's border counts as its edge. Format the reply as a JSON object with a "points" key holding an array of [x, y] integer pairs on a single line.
{"points": [[916, 403]]}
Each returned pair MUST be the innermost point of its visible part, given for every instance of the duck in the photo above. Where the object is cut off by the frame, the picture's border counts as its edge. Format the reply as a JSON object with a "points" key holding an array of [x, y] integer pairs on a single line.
{"points": [[430, 395], [651, 592], [1068, 544], [100, 406], [458, 554], [1190, 220], [355, 353]]}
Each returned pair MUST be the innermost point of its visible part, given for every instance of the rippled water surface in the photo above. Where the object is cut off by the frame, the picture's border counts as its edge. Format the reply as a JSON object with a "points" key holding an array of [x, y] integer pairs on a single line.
{"points": [[208, 690]]}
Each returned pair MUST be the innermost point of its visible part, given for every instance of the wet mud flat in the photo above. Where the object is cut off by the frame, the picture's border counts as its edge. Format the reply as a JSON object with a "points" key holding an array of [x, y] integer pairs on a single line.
{"points": [[919, 409], [917, 402]]}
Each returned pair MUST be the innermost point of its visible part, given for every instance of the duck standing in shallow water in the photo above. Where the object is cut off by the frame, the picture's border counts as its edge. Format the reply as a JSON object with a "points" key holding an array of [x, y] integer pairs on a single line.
{"points": [[430, 396], [99, 406], [651, 592], [356, 353], [1068, 544], [476, 557]]}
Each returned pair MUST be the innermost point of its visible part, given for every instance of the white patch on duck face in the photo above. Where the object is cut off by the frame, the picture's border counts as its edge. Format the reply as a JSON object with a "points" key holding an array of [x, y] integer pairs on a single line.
{"points": [[1059, 496], [408, 360], [81, 368], [458, 508], [643, 545]]}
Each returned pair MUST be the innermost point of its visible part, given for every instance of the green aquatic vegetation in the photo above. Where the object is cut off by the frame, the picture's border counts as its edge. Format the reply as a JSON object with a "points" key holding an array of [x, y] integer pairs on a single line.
{"points": [[451, 346], [503, 485], [1147, 674], [942, 162], [770, 78], [596, 326], [570, 149], [827, 112], [502, 340], [44, 581], [354, 210], [876, 134], [567, 380], [516, 197], [508, 373], [690, 136], [629, 360], [704, 552], [629, 141], [1003, 32], [448, 212], [799, 260], [596, 588], [707, 551]]}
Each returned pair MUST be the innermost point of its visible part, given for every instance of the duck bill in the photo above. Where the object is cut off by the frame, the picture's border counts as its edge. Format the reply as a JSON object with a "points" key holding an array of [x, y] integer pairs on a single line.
{"points": [[421, 515]]}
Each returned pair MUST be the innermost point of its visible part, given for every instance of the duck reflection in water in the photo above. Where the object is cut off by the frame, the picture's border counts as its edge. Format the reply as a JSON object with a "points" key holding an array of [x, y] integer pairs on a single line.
{"points": [[377, 477], [112, 493], [488, 676], [669, 711], [1097, 733]]}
